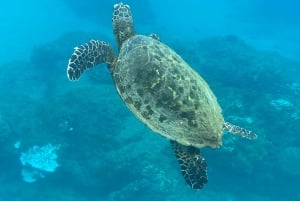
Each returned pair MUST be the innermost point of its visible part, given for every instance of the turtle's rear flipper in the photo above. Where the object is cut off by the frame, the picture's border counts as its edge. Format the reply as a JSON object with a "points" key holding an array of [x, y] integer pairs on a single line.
{"points": [[239, 131], [192, 164], [87, 56]]}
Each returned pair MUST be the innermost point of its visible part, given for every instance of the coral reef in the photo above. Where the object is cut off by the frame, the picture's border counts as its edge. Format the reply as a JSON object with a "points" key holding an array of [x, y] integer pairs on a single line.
{"points": [[5, 130], [37, 161], [107, 154], [289, 160], [41, 158]]}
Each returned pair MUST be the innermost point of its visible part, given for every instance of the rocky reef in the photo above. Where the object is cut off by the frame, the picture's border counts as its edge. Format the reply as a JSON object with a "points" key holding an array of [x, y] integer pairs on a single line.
{"points": [[105, 153]]}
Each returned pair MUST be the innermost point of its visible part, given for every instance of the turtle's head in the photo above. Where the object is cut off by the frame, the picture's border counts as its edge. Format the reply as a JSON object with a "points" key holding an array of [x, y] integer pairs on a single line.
{"points": [[122, 23]]}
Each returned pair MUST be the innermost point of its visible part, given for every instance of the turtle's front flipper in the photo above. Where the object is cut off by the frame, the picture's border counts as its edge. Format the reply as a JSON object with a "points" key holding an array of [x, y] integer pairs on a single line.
{"points": [[242, 132], [192, 164], [87, 56]]}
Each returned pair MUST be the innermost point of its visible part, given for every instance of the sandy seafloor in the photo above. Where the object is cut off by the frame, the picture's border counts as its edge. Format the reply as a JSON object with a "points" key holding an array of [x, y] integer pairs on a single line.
{"points": [[247, 51]]}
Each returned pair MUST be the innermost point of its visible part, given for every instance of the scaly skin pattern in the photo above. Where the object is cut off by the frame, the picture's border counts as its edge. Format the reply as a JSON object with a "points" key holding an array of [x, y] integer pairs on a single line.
{"points": [[239, 131], [192, 165], [122, 23], [87, 56], [166, 94]]}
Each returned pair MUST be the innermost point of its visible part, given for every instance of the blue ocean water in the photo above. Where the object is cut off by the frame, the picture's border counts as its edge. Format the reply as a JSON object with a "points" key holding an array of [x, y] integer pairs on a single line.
{"points": [[63, 140]]}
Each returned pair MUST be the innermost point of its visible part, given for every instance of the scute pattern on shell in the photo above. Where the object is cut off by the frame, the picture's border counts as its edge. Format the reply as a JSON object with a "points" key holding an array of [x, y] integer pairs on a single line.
{"points": [[166, 94]]}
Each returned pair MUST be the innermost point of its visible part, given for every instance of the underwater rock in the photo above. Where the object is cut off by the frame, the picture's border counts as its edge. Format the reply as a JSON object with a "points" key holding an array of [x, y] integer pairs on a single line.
{"points": [[232, 61], [94, 10], [54, 52], [289, 160], [5, 130], [294, 87], [47, 59], [281, 104]]}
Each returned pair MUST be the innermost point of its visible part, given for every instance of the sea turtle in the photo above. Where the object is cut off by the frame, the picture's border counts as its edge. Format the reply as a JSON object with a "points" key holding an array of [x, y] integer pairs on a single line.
{"points": [[162, 91]]}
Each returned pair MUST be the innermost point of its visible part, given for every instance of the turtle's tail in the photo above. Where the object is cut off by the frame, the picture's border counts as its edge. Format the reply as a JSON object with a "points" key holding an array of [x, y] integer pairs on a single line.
{"points": [[89, 55], [236, 130]]}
